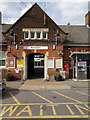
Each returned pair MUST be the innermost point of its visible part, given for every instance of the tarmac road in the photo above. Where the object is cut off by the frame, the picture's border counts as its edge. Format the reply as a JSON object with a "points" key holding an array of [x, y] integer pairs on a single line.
{"points": [[45, 104]]}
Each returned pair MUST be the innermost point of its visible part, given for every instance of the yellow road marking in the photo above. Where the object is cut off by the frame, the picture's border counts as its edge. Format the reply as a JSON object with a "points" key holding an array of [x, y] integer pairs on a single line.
{"points": [[59, 116], [82, 93], [42, 97], [10, 109], [44, 104], [70, 110], [87, 106], [41, 110], [67, 97], [26, 109], [53, 108], [14, 98], [79, 109]]}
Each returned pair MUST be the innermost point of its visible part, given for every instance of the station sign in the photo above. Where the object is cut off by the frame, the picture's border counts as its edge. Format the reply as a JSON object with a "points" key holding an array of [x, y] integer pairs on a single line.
{"points": [[35, 47]]}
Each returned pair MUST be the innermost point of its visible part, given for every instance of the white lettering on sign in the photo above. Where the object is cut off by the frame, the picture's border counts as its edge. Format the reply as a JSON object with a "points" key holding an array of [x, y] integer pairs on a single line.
{"points": [[35, 47]]}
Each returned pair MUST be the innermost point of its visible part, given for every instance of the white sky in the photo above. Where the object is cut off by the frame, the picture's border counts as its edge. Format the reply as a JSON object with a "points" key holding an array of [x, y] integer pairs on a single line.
{"points": [[61, 11]]}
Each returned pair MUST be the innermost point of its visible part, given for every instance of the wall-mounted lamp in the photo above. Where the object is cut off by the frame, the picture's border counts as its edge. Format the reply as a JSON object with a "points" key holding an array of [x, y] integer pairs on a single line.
{"points": [[57, 35], [69, 47]]}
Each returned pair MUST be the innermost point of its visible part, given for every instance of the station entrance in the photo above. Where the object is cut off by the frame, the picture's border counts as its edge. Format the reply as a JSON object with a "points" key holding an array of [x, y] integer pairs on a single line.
{"points": [[35, 66]]}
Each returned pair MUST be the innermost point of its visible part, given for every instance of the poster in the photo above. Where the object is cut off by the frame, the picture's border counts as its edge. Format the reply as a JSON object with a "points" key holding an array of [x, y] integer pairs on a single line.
{"points": [[20, 63], [50, 62], [59, 62], [11, 62]]}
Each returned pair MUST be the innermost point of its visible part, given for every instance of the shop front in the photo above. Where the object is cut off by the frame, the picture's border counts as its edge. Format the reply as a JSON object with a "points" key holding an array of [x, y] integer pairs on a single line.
{"points": [[81, 65]]}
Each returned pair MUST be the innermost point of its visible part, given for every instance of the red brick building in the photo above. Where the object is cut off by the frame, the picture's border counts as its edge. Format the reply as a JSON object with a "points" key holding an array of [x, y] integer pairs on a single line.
{"points": [[37, 45], [34, 35]]}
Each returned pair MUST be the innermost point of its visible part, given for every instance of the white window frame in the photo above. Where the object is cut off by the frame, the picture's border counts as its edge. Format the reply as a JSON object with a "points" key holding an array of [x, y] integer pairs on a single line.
{"points": [[28, 35], [35, 30]]}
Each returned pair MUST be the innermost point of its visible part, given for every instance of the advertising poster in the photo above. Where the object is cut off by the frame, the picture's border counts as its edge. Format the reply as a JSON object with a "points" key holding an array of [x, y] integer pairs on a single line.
{"points": [[20, 63], [11, 62]]}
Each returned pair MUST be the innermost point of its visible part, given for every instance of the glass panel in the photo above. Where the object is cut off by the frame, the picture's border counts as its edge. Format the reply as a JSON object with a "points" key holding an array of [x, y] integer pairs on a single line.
{"points": [[42, 62], [38, 34], [32, 35], [2, 55], [2, 62], [26, 34], [44, 35]]}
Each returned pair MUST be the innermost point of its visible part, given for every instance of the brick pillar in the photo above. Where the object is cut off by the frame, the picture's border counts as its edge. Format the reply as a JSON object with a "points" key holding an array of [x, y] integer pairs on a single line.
{"points": [[87, 19]]}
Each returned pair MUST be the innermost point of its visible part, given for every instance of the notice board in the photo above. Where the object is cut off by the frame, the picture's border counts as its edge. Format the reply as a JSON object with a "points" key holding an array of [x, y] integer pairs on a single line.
{"points": [[59, 62], [20, 63], [50, 62], [11, 62]]}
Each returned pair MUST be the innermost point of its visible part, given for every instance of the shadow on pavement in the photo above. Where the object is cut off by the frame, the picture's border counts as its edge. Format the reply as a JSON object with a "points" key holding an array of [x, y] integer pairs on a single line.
{"points": [[5, 93]]}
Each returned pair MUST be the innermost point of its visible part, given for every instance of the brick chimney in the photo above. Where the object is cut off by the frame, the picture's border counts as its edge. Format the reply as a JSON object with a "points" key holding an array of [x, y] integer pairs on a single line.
{"points": [[0, 18], [87, 19]]}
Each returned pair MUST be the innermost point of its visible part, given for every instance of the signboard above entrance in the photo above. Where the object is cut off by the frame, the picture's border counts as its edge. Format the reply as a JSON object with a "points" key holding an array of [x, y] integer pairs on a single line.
{"points": [[35, 47]]}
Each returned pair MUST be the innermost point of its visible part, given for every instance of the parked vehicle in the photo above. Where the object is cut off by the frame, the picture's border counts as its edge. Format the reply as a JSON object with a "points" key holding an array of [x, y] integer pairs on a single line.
{"points": [[2, 85]]}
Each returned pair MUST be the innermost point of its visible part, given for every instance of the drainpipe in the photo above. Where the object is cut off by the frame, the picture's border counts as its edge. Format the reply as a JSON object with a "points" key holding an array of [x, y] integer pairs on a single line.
{"points": [[76, 68]]}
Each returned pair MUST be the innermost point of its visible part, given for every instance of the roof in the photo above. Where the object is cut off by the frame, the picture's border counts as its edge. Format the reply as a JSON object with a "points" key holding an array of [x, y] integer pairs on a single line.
{"points": [[81, 55], [5, 27], [76, 33], [27, 12]]}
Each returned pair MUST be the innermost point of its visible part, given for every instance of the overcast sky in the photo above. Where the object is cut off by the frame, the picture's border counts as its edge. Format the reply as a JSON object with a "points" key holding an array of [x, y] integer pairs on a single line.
{"points": [[61, 11]]}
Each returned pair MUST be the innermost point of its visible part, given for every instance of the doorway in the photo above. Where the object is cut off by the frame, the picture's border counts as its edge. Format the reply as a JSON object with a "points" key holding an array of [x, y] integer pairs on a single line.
{"points": [[35, 66]]}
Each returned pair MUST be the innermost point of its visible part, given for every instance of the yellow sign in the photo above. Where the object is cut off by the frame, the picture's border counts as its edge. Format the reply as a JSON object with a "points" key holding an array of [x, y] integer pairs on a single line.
{"points": [[20, 63]]}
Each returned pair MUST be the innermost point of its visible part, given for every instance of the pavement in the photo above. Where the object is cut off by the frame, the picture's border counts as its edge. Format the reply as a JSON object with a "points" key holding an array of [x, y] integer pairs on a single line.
{"points": [[41, 84]]}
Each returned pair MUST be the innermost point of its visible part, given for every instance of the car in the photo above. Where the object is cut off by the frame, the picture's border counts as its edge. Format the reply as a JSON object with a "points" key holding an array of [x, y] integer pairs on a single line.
{"points": [[2, 85]]}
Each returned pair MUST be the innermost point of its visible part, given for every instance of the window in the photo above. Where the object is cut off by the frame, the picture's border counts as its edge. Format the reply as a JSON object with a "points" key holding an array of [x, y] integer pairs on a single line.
{"points": [[38, 35], [26, 35], [44, 35], [32, 35], [2, 59]]}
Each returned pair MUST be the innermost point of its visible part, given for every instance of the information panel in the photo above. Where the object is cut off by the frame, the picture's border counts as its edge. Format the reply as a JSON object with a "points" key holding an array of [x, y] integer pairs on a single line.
{"points": [[20, 63], [50, 62], [59, 62], [11, 62]]}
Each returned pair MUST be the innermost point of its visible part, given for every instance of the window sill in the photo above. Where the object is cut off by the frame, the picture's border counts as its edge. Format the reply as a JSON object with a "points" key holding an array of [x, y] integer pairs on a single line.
{"points": [[37, 39], [3, 67]]}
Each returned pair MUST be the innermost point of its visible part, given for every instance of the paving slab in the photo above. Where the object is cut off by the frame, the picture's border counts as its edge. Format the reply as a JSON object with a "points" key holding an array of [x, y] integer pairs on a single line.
{"points": [[37, 84]]}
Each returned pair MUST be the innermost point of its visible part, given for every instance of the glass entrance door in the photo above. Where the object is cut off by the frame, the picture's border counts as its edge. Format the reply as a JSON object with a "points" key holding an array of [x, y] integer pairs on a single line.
{"points": [[82, 70]]}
